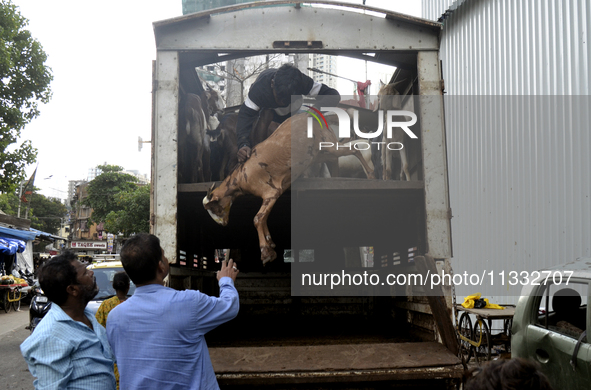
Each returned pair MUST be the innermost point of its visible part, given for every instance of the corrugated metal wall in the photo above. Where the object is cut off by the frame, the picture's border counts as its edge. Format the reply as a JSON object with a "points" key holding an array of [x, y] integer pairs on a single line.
{"points": [[520, 193]]}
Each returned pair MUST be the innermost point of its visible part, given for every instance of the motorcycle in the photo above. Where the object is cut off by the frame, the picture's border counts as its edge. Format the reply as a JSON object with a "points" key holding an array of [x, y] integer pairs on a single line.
{"points": [[39, 307], [28, 292]]}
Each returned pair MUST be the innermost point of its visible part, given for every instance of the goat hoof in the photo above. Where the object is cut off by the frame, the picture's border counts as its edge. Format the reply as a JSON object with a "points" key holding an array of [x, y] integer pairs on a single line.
{"points": [[267, 254]]}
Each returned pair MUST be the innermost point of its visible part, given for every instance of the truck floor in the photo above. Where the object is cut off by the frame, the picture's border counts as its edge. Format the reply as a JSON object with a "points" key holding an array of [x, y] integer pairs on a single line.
{"points": [[343, 366]]}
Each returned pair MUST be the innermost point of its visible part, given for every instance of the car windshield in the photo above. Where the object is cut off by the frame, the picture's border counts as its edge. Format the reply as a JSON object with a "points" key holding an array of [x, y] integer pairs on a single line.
{"points": [[104, 280]]}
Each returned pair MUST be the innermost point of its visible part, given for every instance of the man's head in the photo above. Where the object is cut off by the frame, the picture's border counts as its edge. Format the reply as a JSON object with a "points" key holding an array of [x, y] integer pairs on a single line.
{"points": [[284, 83], [64, 276], [143, 258], [508, 375], [121, 282]]}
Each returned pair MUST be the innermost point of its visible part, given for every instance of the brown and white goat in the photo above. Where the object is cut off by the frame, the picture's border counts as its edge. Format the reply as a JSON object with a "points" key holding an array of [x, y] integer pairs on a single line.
{"points": [[224, 146], [390, 99], [270, 170]]}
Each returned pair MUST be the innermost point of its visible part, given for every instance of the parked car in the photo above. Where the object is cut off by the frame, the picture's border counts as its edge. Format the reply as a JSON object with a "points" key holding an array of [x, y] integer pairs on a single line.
{"points": [[551, 322], [104, 273]]}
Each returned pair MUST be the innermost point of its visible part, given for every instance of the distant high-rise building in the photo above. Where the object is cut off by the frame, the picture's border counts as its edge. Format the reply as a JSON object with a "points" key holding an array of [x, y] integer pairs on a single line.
{"points": [[93, 172], [72, 189], [141, 178], [325, 63]]}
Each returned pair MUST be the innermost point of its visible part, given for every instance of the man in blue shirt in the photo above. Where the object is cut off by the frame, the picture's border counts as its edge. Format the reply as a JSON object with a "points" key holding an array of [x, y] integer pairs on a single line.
{"points": [[157, 335], [69, 348]]}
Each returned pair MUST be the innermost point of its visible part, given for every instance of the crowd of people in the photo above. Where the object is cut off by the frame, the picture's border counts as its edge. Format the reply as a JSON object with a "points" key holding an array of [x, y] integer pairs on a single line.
{"points": [[155, 336]]}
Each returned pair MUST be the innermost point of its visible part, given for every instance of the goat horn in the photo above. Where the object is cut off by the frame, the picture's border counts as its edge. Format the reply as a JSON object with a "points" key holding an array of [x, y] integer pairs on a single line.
{"points": [[395, 83]]}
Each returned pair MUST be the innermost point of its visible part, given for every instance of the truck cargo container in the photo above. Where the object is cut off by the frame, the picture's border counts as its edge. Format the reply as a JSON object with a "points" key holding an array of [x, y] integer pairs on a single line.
{"points": [[280, 339]]}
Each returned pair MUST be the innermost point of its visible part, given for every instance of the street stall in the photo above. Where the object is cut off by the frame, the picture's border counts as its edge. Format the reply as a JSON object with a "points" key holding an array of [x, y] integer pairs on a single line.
{"points": [[10, 286], [16, 259]]}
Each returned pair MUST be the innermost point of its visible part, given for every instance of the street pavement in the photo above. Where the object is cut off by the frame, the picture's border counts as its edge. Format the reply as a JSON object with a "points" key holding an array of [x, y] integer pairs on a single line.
{"points": [[14, 373]]}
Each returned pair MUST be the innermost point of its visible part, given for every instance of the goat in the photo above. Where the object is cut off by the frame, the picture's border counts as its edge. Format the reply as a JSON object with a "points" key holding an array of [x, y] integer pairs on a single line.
{"points": [[390, 99], [198, 113], [224, 146], [270, 170], [195, 137]]}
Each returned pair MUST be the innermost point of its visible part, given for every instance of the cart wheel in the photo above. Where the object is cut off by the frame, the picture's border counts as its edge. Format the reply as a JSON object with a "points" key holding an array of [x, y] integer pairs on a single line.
{"points": [[482, 338], [5, 302], [508, 324], [507, 329], [465, 330], [16, 303]]}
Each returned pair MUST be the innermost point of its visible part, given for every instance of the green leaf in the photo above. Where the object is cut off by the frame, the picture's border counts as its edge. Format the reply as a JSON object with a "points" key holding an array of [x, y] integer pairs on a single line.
{"points": [[24, 83]]}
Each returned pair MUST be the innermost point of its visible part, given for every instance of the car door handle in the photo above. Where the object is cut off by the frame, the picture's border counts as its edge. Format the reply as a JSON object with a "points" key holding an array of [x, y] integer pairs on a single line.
{"points": [[542, 355]]}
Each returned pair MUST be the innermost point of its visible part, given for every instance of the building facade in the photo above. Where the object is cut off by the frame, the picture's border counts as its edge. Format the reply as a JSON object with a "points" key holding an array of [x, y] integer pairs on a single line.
{"points": [[84, 238], [325, 63], [517, 110]]}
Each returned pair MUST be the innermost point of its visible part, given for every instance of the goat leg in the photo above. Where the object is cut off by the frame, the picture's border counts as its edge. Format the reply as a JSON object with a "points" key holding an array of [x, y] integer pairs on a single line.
{"points": [[260, 222], [404, 165], [344, 151]]}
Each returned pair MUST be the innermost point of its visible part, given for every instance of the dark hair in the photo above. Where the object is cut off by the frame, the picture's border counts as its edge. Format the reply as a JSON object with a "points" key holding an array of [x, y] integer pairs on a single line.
{"points": [[286, 80], [121, 281], [140, 257], [56, 275], [503, 374]]}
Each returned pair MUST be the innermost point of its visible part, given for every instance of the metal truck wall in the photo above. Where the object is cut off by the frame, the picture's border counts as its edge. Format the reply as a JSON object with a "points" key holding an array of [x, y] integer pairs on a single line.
{"points": [[520, 201]]}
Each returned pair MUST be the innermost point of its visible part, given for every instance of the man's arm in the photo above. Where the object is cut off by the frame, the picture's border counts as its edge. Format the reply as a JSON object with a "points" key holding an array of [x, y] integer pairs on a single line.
{"points": [[50, 362], [327, 97], [212, 311], [246, 118]]}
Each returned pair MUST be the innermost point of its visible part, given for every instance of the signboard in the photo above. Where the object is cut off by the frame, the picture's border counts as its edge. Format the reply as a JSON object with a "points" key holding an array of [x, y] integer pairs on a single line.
{"points": [[88, 245], [110, 241]]}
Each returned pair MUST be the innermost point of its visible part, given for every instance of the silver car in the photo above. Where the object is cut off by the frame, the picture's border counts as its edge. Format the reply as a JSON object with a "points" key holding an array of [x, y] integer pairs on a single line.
{"points": [[551, 323]]}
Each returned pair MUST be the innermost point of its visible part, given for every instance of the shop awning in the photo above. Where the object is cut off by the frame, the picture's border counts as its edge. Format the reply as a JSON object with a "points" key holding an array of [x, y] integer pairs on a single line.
{"points": [[25, 235], [10, 246], [47, 235]]}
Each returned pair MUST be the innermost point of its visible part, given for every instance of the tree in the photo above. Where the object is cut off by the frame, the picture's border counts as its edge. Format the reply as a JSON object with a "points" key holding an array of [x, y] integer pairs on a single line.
{"points": [[24, 82], [103, 189], [134, 216], [9, 203], [45, 213]]}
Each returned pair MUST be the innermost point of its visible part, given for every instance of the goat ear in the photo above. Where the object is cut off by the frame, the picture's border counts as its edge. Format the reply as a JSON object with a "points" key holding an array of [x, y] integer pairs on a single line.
{"points": [[209, 192]]}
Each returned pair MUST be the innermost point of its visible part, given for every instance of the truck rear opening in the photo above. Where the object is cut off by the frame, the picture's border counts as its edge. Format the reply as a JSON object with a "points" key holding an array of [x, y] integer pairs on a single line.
{"points": [[280, 339]]}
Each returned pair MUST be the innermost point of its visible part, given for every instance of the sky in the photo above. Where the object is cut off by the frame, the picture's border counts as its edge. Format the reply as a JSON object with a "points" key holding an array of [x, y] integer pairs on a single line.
{"points": [[101, 57]]}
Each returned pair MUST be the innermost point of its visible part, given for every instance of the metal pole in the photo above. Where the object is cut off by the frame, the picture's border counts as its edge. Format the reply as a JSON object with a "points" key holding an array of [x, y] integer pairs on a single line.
{"points": [[20, 194]]}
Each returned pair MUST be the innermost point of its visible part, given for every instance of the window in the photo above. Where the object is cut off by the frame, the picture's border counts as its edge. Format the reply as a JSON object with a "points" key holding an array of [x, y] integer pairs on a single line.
{"points": [[563, 308]]}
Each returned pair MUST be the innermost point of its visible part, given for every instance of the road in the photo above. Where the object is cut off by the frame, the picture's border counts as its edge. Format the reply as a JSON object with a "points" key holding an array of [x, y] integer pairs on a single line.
{"points": [[14, 373]]}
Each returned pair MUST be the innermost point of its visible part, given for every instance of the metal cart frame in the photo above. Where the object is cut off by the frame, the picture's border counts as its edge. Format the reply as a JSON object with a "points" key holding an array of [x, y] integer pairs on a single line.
{"points": [[478, 340]]}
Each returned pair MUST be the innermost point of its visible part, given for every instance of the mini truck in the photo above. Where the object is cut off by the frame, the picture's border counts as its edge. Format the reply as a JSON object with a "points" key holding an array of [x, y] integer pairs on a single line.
{"points": [[279, 339]]}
